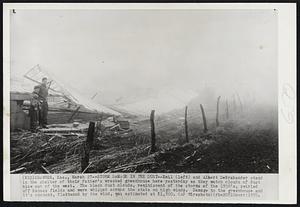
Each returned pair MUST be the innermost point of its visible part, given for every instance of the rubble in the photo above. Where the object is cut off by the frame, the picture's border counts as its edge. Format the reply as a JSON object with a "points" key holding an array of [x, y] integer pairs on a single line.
{"points": [[65, 128], [254, 151]]}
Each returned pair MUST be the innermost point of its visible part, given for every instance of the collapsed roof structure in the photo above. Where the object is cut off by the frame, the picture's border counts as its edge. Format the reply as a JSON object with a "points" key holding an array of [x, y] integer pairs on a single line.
{"points": [[65, 103], [58, 89]]}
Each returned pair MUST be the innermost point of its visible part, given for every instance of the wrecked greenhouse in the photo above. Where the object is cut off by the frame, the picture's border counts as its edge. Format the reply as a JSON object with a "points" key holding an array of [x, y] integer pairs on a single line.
{"points": [[65, 104]]}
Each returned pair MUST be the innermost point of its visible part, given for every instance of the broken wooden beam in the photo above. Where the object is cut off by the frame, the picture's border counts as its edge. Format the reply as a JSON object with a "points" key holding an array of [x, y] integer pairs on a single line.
{"points": [[73, 114], [61, 130], [18, 170], [87, 167], [45, 169], [113, 127]]}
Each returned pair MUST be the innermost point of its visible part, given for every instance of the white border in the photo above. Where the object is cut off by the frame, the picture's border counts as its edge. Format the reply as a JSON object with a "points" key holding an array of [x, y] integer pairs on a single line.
{"points": [[286, 74]]}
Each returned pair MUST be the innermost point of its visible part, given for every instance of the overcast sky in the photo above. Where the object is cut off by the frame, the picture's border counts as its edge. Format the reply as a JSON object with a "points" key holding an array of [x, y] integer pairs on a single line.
{"points": [[122, 51]]}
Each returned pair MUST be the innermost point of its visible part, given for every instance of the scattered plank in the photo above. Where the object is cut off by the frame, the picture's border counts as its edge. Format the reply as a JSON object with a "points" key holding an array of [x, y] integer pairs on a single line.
{"points": [[87, 167], [45, 169], [73, 114], [18, 170]]}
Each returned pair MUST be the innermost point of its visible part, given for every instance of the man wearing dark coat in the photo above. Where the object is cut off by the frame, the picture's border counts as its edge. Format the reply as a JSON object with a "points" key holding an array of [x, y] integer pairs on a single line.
{"points": [[34, 110], [43, 94]]}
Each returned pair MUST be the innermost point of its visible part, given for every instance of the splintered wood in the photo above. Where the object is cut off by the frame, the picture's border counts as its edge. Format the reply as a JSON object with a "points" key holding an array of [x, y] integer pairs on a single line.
{"points": [[128, 150]]}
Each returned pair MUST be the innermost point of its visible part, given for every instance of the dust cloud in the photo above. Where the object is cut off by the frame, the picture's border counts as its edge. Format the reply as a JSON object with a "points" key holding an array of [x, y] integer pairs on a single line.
{"points": [[130, 55]]}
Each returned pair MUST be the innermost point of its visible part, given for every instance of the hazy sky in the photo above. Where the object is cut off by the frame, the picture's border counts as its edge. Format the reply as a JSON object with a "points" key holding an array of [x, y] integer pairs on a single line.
{"points": [[121, 51]]}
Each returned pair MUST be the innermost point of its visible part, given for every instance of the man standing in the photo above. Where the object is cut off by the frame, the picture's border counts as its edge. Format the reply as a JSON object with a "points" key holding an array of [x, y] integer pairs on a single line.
{"points": [[34, 109], [43, 94]]}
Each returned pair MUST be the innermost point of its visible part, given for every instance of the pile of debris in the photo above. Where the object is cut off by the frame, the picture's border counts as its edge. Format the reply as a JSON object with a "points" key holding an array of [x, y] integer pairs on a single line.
{"points": [[57, 150], [61, 145], [33, 152]]}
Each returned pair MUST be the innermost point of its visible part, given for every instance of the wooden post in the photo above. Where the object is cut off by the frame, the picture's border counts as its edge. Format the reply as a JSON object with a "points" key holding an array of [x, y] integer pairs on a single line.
{"points": [[90, 134], [204, 119], [217, 115], [186, 125], [153, 140], [227, 110], [87, 146]]}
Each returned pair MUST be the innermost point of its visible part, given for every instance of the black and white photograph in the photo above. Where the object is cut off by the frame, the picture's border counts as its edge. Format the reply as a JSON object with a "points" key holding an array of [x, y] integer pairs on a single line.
{"points": [[143, 91]]}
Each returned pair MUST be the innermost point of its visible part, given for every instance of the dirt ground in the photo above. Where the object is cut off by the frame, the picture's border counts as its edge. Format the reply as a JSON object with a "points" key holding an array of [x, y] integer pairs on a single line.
{"points": [[245, 144]]}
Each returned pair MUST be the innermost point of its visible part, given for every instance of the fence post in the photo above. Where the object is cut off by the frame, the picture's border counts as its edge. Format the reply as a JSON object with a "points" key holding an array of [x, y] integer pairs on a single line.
{"points": [[217, 115], [204, 119], [186, 125], [87, 146], [153, 140]]}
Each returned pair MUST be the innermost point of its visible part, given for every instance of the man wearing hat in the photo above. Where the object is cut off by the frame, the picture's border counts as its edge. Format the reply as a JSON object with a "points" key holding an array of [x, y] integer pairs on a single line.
{"points": [[34, 110], [43, 94]]}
